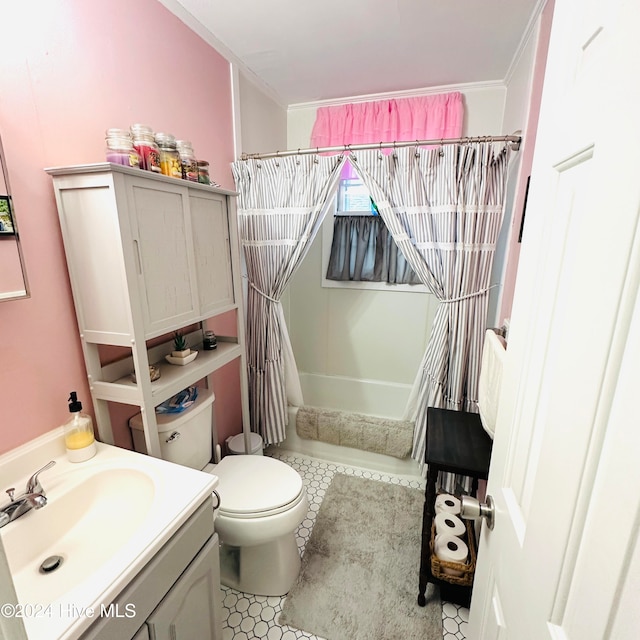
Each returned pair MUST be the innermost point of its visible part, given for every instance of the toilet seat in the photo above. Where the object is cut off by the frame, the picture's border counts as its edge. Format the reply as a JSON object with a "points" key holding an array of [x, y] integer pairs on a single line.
{"points": [[257, 487]]}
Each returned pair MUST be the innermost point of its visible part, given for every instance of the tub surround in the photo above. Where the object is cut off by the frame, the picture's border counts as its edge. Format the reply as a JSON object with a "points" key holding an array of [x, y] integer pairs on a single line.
{"points": [[167, 497]]}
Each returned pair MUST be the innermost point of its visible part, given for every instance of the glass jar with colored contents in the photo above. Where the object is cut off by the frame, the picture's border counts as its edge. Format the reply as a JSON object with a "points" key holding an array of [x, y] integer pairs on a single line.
{"points": [[145, 144], [203, 172], [187, 160], [169, 157], [120, 148]]}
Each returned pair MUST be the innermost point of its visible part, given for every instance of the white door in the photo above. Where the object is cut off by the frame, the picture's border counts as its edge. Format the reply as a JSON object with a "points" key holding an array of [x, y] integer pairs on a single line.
{"points": [[562, 560]]}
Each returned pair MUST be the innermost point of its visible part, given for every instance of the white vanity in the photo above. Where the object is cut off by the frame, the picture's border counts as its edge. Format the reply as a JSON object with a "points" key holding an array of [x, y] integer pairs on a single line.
{"points": [[139, 554]]}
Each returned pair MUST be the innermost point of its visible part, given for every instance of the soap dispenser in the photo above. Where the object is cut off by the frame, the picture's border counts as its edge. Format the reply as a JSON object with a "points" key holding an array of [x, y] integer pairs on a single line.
{"points": [[78, 432]]}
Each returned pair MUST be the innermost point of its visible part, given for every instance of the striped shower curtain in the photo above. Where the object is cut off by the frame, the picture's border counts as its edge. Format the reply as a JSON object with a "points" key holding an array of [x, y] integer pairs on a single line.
{"points": [[444, 208], [281, 204]]}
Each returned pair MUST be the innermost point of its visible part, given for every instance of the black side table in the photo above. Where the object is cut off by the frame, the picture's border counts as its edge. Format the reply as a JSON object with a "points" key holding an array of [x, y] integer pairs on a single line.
{"points": [[456, 443]]}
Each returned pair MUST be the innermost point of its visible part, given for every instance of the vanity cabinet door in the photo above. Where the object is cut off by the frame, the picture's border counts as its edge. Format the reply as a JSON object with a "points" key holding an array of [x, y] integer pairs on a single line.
{"points": [[143, 634], [192, 610], [210, 226], [163, 251]]}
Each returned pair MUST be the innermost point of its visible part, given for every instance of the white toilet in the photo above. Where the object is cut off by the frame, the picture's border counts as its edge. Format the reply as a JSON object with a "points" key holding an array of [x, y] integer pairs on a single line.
{"points": [[262, 501]]}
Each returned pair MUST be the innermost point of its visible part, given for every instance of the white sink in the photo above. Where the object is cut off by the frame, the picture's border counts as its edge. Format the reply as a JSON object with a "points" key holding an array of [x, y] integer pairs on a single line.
{"points": [[73, 525], [106, 518]]}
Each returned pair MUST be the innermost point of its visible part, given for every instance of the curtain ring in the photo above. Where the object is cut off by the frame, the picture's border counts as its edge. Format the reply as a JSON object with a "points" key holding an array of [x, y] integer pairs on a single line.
{"points": [[417, 149]]}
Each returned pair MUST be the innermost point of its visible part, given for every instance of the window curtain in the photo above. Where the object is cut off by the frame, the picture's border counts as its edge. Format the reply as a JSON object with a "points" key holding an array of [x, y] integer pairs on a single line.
{"points": [[363, 250], [281, 204], [404, 119], [444, 207]]}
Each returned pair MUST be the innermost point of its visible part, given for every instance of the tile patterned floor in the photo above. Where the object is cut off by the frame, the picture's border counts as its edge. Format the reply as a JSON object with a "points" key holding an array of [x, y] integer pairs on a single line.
{"points": [[247, 617]]}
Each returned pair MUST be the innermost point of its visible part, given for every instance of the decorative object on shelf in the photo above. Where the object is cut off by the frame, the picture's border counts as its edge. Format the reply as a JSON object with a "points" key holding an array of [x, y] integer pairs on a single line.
{"points": [[120, 148], [178, 403], [180, 346], [209, 341], [188, 160], [154, 373], [144, 143], [203, 172], [181, 353], [182, 361], [169, 157]]}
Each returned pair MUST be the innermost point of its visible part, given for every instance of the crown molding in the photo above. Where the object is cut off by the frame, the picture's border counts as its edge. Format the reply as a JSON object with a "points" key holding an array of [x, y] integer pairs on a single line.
{"points": [[408, 93], [530, 31]]}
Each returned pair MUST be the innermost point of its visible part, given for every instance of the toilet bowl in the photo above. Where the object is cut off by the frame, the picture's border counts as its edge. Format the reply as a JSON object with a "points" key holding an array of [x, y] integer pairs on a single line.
{"points": [[262, 501]]}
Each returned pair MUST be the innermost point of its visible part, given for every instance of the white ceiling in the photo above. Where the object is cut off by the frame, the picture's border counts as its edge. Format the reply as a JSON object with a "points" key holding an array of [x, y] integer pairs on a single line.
{"points": [[308, 51]]}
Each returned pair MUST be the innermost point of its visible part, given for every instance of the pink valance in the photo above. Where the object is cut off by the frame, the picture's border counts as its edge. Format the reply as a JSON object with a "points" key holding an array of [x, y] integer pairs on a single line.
{"points": [[422, 118]]}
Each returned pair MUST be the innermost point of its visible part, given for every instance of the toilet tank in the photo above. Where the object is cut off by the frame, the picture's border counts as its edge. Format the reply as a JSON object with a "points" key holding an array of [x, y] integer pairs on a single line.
{"points": [[185, 438]]}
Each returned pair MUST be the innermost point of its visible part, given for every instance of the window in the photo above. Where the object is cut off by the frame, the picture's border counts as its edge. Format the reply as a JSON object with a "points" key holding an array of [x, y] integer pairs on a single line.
{"points": [[358, 250], [354, 198]]}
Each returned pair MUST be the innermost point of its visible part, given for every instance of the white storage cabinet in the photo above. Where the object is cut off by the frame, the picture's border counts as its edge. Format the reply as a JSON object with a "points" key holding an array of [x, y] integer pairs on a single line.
{"points": [[148, 255]]}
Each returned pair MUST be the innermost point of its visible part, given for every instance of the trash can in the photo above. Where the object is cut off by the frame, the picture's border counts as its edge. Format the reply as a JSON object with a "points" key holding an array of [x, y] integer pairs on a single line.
{"points": [[235, 444]]}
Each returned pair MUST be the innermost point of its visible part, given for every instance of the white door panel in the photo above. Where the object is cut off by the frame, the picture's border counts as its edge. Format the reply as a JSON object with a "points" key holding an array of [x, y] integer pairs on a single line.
{"points": [[562, 557]]}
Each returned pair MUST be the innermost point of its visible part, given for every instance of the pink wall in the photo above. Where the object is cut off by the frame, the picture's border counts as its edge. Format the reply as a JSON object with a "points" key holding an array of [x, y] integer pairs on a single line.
{"points": [[10, 271], [528, 146], [70, 69]]}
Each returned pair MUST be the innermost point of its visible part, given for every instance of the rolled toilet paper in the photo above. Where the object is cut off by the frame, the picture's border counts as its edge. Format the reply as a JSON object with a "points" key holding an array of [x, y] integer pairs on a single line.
{"points": [[446, 503], [447, 523], [451, 549]]}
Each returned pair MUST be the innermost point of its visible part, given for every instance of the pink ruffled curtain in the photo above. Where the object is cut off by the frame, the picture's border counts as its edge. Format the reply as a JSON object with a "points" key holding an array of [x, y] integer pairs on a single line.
{"points": [[422, 118]]}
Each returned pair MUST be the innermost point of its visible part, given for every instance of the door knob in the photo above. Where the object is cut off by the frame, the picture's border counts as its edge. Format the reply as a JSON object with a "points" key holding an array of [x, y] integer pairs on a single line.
{"points": [[470, 508]]}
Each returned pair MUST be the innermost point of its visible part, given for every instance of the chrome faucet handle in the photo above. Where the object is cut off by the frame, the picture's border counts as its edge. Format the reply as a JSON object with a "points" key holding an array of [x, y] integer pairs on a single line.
{"points": [[11, 493], [33, 485], [36, 500]]}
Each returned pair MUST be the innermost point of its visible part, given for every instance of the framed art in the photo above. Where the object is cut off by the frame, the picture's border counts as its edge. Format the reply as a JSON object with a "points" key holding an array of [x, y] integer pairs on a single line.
{"points": [[6, 217]]}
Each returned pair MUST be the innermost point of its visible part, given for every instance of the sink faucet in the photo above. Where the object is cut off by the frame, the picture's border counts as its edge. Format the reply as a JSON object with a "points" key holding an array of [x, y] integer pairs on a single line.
{"points": [[33, 498]]}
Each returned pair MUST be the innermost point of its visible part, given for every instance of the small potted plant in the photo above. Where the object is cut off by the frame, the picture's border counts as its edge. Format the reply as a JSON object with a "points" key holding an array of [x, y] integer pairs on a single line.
{"points": [[180, 346]]}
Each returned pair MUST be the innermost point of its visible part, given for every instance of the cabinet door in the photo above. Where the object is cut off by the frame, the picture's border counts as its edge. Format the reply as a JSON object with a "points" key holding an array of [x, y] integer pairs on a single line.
{"points": [[161, 231], [143, 634], [210, 223], [192, 610]]}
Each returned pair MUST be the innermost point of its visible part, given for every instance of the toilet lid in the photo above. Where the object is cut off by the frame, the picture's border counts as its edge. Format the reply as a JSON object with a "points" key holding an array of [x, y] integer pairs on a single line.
{"points": [[256, 484]]}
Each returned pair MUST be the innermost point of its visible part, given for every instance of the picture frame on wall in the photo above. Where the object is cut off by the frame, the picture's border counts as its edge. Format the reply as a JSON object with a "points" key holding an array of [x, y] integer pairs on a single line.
{"points": [[7, 227]]}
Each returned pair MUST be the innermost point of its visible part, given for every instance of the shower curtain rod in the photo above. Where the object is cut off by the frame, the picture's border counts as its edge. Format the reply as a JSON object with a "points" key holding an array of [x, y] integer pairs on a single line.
{"points": [[513, 139]]}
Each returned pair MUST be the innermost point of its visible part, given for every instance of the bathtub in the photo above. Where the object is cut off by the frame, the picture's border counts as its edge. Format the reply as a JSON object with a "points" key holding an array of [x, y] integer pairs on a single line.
{"points": [[384, 400]]}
